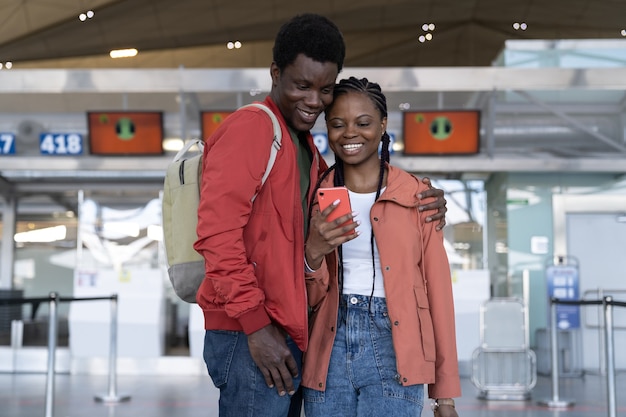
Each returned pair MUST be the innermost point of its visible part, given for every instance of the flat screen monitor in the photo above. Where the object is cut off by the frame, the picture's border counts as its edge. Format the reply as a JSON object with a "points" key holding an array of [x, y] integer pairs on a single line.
{"points": [[125, 133], [441, 132]]}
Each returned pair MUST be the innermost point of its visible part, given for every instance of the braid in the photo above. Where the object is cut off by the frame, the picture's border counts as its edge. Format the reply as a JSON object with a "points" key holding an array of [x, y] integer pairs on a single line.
{"points": [[375, 94], [384, 152], [317, 186], [339, 179]]}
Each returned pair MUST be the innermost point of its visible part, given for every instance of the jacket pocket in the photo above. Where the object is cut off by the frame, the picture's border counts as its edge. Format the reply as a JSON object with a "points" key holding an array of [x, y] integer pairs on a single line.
{"points": [[426, 324]]}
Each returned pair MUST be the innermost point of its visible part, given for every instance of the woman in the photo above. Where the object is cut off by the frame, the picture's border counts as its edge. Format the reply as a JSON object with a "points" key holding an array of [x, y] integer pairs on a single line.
{"points": [[382, 316]]}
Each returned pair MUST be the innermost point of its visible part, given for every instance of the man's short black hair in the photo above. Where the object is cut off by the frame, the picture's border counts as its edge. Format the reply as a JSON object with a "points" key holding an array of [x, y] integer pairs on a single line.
{"points": [[312, 35]]}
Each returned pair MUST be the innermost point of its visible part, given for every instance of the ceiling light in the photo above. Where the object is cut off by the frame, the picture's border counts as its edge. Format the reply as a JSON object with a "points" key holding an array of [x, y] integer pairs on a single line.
{"points": [[429, 36], [129, 229], [422, 38], [173, 144], [237, 44], [431, 27], [425, 27], [49, 234], [8, 65], [87, 15], [623, 32], [123, 53], [520, 26], [230, 45]]}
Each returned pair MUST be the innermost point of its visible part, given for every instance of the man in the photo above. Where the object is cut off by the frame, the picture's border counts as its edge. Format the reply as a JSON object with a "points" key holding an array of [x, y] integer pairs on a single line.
{"points": [[253, 296]]}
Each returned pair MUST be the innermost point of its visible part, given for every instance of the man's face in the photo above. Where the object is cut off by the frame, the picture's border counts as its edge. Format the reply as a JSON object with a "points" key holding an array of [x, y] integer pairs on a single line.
{"points": [[303, 90]]}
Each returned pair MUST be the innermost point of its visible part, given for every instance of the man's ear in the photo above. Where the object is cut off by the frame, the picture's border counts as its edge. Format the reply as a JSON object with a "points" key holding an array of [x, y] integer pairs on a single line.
{"points": [[274, 73]]}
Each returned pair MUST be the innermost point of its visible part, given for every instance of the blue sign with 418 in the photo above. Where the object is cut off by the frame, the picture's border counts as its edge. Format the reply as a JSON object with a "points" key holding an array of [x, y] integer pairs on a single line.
{"points": [[61, 144]]}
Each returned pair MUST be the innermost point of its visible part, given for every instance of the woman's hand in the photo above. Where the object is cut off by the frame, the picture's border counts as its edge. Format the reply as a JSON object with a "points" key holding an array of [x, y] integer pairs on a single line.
{"points": [[324, 236], [439, 204]]}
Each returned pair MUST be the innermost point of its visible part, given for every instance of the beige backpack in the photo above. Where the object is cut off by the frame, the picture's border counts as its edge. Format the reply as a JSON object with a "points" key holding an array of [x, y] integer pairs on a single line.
{"points": [[181, 196]]}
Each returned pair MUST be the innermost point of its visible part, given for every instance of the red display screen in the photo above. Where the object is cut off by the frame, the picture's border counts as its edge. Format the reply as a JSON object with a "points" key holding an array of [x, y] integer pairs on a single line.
{"points": [[441, 132], [211, 120], [125, 133]]}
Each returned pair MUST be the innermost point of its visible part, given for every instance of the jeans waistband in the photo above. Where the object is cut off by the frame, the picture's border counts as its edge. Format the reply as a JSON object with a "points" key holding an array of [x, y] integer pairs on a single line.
{"points": [[377, 304]]}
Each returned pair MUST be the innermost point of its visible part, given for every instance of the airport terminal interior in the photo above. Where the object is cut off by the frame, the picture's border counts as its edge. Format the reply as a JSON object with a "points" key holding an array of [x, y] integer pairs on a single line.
{"points": [[526, 103]]}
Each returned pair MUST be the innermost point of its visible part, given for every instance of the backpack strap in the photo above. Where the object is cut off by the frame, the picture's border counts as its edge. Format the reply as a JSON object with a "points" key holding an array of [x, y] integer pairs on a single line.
{"points": [[188, 145], [276, 142]]}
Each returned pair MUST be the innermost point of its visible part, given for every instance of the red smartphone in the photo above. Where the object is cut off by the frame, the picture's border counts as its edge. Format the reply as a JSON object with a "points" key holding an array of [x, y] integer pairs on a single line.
{"points": [[326, 196]]}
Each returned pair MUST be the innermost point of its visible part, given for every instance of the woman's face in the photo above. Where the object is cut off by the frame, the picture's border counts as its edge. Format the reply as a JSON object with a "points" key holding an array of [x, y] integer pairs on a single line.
{"points": [[355, 127]]}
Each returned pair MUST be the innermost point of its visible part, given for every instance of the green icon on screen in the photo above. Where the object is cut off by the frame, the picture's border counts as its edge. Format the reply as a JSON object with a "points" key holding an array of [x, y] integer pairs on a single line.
{"points": [[441, 128], [125, 128]]}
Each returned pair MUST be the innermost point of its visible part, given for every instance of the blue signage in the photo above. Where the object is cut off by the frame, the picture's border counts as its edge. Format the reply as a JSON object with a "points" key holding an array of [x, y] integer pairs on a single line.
{"points": [[61, 144], [7, 143], [563, 283], [321, 142]]}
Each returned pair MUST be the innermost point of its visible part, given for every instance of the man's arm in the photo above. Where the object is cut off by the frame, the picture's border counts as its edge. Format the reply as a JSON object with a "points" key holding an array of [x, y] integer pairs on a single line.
{"points": [[274, 359], [225, 207]]}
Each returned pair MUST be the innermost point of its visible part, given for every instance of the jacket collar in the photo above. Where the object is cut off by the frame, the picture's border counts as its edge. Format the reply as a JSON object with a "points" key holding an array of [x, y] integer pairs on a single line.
{"points": [[402, 187]]}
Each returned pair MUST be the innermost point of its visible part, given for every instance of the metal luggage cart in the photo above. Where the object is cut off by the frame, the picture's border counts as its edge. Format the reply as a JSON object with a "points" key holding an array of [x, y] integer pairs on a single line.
{"points": [[503, 366]]}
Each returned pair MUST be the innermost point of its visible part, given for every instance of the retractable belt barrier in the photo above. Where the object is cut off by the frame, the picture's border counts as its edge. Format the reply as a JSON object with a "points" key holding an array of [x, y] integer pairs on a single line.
{"points": [[607, 303], [53, 299]]}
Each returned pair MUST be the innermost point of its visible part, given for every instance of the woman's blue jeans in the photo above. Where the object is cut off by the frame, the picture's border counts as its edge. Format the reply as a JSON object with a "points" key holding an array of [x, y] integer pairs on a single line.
{"points": [[243, 391], [362, 376]]}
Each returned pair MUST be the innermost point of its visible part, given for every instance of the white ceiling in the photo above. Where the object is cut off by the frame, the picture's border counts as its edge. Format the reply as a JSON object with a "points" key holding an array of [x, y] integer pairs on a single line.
{"points": [[194, 33]]}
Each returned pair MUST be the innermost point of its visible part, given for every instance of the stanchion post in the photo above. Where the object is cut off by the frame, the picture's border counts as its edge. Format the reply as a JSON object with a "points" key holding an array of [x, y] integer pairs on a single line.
{"points": [[601, 340], [555, 401], [52, 345], [112, 396], [610, 354], [17, 340]]}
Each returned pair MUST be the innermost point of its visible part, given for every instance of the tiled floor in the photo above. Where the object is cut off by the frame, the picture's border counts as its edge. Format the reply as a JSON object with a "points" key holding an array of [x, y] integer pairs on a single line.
{"points": [[23, 395]]}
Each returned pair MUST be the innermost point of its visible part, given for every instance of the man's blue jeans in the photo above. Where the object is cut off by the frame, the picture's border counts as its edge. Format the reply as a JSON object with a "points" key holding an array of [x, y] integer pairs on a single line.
{"points": [[362, 377], [243, 391]]}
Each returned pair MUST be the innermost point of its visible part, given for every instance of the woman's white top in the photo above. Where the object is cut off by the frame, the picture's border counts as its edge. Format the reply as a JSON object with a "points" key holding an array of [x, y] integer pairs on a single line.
{"points": [[357, 253]]}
